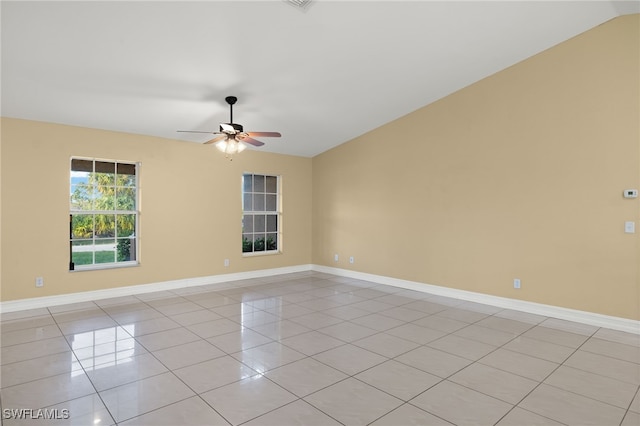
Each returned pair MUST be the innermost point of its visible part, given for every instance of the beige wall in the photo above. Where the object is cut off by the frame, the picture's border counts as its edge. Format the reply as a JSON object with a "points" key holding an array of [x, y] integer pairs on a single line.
{"points": [[517, 176], [190, 217]]}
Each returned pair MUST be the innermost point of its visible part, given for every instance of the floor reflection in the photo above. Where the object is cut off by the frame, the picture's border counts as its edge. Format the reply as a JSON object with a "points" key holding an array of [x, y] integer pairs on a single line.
{"points": [[104, 348]]}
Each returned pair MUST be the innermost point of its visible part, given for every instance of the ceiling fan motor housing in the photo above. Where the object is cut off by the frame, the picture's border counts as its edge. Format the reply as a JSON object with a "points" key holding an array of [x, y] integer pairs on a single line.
{"points": [[237, 127]]}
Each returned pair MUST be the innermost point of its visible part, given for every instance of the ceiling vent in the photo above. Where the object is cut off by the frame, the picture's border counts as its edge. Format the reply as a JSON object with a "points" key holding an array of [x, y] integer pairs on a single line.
{"points": [[299, 4]]}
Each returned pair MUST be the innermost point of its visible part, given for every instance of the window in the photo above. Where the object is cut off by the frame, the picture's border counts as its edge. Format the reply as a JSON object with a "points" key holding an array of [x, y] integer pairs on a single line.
{"points": [[103, 213], [260, 214]]}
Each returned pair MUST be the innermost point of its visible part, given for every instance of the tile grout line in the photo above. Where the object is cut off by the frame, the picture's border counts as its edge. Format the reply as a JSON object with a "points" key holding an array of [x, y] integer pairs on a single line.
{"points": [[468, 365], [165, 372], [270, 380], [199, 395], [541, 382], [308, 286], [83, 368], [636, 395]]}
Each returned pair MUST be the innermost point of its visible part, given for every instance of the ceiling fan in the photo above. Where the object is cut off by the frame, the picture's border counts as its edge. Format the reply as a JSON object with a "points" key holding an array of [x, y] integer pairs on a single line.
{"points": [[231, 138]]}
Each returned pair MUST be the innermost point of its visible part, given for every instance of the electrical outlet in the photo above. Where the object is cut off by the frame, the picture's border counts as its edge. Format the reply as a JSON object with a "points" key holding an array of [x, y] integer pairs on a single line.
{"points": [[351, 259], [335, 257], [516, 283], [226, 263], [39, 282]]}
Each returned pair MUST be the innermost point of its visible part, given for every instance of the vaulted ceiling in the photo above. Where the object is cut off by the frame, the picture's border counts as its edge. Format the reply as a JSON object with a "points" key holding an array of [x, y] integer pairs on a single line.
{"points": [[320, 75]]}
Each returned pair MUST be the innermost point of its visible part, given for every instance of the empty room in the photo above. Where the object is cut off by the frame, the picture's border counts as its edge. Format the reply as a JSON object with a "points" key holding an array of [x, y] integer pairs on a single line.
{"points": [[317, 212]]}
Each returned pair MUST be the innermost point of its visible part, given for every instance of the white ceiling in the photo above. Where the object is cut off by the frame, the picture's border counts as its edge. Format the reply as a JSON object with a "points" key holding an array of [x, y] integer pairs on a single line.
{"points": [[320, 76]]}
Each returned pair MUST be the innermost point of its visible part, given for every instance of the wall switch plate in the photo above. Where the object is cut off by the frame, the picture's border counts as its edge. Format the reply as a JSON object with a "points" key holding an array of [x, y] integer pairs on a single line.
{"points": [[335, 257], [39, 282], [226, 262], [516, 283], [630, 227], [351, 259]]}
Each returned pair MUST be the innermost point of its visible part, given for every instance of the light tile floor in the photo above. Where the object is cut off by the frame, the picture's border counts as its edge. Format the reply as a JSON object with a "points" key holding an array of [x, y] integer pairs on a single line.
{"points": [[311, 349]]}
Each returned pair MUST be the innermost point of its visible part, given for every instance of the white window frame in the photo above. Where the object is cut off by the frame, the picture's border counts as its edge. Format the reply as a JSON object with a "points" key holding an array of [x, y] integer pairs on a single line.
{"points": [[277, 212], [136, 211]]}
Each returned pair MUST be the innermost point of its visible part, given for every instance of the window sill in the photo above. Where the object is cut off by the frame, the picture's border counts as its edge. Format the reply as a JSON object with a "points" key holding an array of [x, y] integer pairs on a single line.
{"points": [[102, 266], [261, 253]]}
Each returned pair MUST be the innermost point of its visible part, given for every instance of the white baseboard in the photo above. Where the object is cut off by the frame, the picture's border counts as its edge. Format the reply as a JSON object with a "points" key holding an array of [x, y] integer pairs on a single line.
{"points": [[87, 296], [598, 320], [224, 280]]}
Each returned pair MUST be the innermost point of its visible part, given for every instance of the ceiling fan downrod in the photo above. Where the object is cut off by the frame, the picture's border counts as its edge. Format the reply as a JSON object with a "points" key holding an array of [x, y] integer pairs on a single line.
{"points": [[231, 100]]}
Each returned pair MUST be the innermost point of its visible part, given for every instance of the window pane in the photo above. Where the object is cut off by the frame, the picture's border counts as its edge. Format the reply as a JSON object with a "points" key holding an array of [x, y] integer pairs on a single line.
{"points": [[247, 243], [125, 198], [247, 223], [80, 165], [272, 242], [104, 198], [105, 225], [258, 183], [105, 173], [247, 202], [126, 249], [258, 202], [78, 177], [81, 196], [247, 183], [82, 226], [126, 180], [259, 242], [126, 174], [272, 223], [272, 203], [271, 184], [105, 250], [105, 256], [82, 252], [126, 225], [106, 167], [259, 223]]}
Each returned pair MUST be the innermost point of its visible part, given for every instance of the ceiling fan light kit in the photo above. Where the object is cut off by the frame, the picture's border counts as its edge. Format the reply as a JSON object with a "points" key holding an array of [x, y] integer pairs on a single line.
{"points": [[231, 147], [231, 138]]}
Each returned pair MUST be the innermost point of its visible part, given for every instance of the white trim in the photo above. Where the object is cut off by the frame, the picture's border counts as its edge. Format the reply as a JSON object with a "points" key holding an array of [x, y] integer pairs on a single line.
{"points": [[88, 296], [110, 265], [277, 212], [598, 320], [115, 212], [261, 253], [595, 319]]}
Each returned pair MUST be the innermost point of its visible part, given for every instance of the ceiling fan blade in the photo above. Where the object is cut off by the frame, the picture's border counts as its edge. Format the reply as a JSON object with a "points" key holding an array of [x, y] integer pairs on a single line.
{"points": [[194, 131], [251, 141], [265, 134], [216, 139]]}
